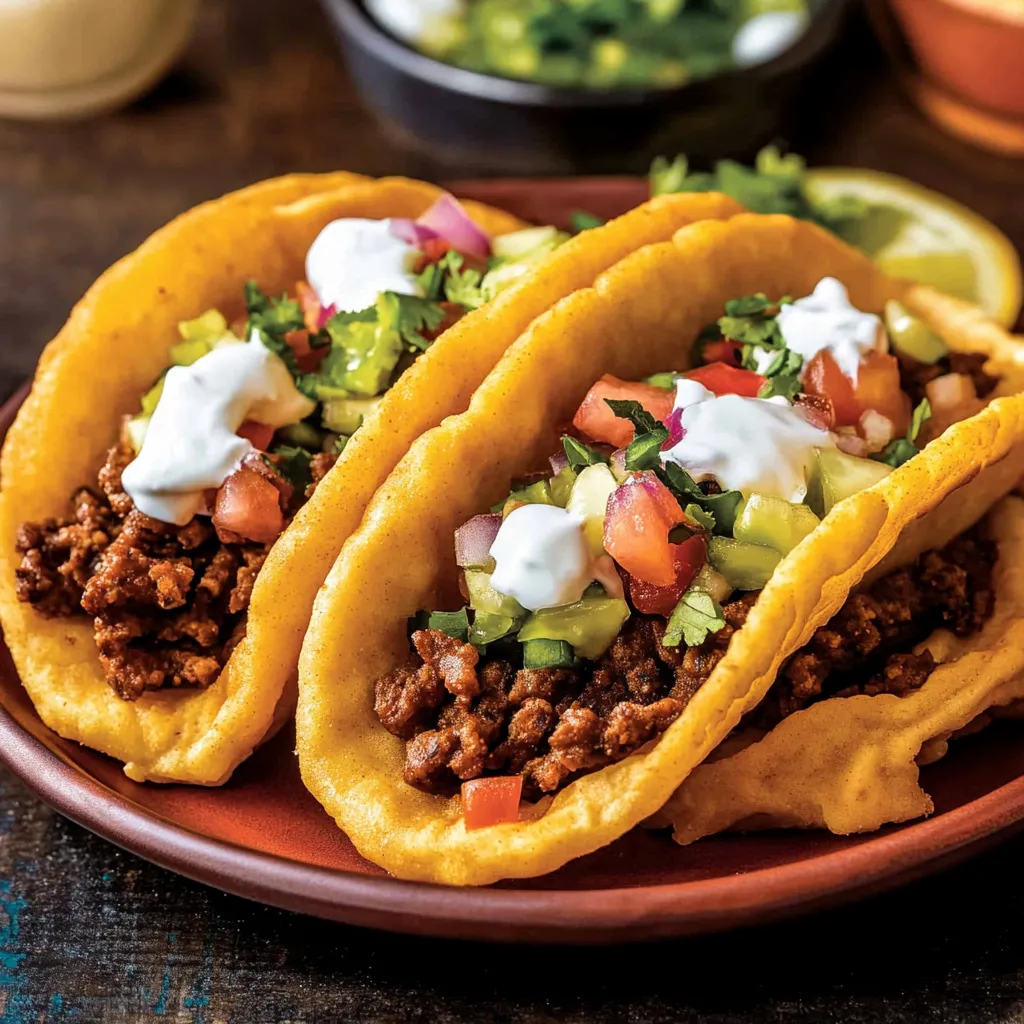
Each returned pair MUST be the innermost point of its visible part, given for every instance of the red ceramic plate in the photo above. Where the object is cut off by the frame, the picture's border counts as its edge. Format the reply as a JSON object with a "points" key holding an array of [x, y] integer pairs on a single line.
{"points": [[263, 836]]}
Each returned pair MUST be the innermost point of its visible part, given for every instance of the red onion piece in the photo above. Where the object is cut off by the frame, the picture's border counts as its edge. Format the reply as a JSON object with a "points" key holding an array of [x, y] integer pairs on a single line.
{"points": [[852, 444], [559, 461], [618, 461], [449, 220], [411, 231], [326, 312], [876, 429], [473, 540], [674, 422]]}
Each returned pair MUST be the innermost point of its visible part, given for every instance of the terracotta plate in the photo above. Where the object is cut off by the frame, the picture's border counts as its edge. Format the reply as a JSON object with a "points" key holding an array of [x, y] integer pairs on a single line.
{"points": [[262, 836]]}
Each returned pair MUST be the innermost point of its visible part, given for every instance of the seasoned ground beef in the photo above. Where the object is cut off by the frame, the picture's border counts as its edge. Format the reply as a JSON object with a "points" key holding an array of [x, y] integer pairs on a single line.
{"points": [[319, 466], [914, 375], [866, 648], [464, 717], [168, 602]]}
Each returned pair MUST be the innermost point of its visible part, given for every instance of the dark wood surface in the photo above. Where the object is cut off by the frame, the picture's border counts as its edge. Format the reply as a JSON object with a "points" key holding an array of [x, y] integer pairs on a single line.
{"points": [[90, 933]]}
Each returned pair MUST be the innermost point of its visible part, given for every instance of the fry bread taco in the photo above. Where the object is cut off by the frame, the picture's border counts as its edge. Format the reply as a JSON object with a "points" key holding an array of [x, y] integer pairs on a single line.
{"points": [[850, 763], [538, 631], [158, 615]]}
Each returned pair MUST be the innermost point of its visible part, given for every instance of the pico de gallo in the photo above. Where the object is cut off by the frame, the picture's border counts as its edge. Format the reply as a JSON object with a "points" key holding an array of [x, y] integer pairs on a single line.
{"points": [[601, 592], [234, 436]]}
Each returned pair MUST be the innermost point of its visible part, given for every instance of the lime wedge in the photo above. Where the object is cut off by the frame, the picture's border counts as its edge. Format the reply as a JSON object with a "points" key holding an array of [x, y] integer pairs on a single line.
{"points": [[919, 234]]}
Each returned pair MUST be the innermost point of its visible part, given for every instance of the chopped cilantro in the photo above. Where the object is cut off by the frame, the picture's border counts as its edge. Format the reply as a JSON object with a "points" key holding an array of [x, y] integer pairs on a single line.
{"points": [[777, 184], [696, 615], [410, 316], [293, 465], [339, 444], [750, 305], [634, 412], [785, 384], [895, 453], [722, 506], [581, 220], [449, 279], [581, 455], [644, 451]]}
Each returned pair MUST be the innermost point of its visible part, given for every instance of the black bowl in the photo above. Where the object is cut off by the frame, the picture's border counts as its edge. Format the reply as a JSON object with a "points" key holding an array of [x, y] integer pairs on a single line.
{"points": [[498, 125]]}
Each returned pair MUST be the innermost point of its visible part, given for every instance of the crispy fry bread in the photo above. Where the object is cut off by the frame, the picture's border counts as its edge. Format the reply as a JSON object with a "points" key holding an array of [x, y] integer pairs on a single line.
{"points": [[107, 355], [640, 317], [851, 764], [117, 341]]}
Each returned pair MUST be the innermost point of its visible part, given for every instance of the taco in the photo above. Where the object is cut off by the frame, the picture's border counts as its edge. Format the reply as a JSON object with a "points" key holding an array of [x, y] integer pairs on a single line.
{"points": [[851, 762], [158, 615], [748, 444]]}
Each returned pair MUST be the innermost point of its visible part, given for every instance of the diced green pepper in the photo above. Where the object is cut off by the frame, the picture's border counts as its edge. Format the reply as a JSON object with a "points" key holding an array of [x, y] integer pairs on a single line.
{"points": [[590, 625], [345, 415], [484, 598], [488, 627], [455, 624], [838, 476], [560, 486], [198, 337], [712, 582], [543, 653], [152, 397], [745, 566], [137, 427], [911, 336], [773, 522], [662, 380], [537, 493], [589, 501], [185, 353], [517, 244], [304, 435]]}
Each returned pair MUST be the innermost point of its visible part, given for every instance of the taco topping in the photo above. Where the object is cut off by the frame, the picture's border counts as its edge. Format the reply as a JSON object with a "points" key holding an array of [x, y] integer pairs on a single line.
{"points": [[234, 436], [601, 596]]}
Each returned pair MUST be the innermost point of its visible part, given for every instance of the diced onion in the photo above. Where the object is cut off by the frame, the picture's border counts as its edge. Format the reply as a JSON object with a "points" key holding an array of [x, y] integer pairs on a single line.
{"points": [[449, 220], [559, 461], [473, 540], [950, 391], [852, 444], [876, 429]]}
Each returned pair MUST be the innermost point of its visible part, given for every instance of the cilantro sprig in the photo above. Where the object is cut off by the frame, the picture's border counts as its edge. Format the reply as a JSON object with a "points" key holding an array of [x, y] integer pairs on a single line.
{"points": [[696, 616], [581, 455], [895, 453]]}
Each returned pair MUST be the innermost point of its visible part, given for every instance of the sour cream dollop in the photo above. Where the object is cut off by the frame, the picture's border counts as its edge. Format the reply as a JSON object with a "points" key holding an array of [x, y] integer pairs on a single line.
{"points": [[825, 319], [541, 557], [191, 444], [746, 444], [354, 259]]}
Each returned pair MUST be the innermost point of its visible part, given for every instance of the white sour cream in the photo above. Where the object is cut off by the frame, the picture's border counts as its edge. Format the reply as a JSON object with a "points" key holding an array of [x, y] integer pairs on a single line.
{"points": [[746, 444], [353, 260], [766, 35], [825, 319], [191, 444], [542, 557]]}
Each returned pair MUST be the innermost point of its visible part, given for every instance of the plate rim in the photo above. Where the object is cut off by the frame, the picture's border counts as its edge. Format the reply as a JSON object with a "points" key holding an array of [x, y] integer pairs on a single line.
{"points": [[599, 915]]}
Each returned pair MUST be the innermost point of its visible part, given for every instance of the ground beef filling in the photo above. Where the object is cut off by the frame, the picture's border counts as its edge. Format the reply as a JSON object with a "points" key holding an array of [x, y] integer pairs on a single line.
{"points": [[914, 375], [168, 602], [464, 717]]}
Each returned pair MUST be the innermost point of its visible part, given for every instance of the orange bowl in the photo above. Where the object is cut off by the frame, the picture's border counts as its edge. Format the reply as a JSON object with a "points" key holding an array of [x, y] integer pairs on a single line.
{"points": [[973, 50]]}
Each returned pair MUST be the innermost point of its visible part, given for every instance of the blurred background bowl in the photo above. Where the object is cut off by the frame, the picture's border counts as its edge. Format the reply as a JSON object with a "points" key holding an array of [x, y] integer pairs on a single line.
{"points": [[963, 62], [503, 126]]}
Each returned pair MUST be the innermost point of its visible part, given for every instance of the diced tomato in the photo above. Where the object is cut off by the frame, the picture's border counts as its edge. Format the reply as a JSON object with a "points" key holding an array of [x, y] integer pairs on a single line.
{"points": [[724, 351], [688, 558], [723, 379], [258, 433], [878, 388], [493, 801], [640, 514], [452, 313], [823, 377], [817, 409], [595, 419], [433, 249], [249, 505], [310, 304]]}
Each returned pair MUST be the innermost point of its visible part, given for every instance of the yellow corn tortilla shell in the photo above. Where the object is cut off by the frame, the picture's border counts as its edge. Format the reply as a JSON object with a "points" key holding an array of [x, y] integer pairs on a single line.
{"points": [[640, 317], [113, 347], [851, 764], [106, 356]]}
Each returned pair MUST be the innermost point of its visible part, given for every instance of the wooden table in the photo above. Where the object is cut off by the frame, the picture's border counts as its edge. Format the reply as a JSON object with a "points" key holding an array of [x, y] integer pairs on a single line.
{"points": [[89, 933]]}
